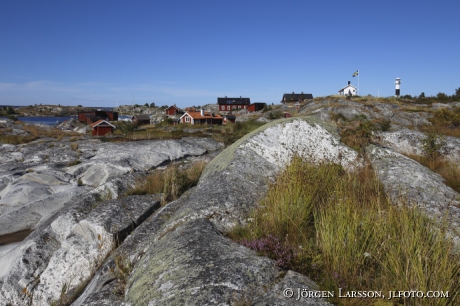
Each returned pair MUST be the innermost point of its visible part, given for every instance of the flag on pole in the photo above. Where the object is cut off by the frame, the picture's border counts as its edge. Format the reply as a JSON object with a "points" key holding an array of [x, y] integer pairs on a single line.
{"points": [[356, 73]]}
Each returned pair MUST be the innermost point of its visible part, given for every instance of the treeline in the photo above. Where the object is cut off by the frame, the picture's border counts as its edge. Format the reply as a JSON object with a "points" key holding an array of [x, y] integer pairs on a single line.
{"points": [[442, 97]]}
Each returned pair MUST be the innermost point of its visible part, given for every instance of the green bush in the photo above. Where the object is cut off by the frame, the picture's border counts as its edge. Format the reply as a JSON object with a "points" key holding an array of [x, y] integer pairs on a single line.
{"points": [[432, 144]]}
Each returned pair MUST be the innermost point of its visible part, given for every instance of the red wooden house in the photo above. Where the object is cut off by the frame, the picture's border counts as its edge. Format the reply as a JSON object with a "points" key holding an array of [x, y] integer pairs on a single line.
{"points": [[102, 127], [229, 118], [295, 97], [140, 119], [254, 107], [173, 110], [230, 104], [201, 117], [93, 116]]}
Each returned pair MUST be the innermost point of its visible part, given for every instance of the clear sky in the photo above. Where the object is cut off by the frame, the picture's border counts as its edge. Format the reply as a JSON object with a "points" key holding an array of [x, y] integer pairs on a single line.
{"points": [[103, 53]]}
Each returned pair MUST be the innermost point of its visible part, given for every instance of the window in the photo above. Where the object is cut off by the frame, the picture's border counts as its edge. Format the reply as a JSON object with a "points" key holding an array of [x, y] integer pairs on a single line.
{"points": [[239, 106], [187, 119], [222, 107], [234, 107], [228, 107]]}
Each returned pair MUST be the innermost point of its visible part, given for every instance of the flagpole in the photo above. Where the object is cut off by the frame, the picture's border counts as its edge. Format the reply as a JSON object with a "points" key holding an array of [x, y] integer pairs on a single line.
{"points": [[358, 82]]}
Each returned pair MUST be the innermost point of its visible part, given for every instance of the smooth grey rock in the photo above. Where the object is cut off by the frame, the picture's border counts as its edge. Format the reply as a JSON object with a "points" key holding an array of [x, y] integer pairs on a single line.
{"points": [[195, 265], [67, 250], [190, 226], [410, 142], [46, 183]]}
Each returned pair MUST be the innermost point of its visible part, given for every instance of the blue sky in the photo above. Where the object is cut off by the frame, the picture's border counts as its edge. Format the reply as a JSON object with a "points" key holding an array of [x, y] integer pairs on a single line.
{"points": [[100, 53]]}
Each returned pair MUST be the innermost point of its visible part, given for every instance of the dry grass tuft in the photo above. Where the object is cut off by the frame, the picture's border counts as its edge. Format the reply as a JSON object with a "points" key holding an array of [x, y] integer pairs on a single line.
{"points": [[341, 230], [172, 182]]}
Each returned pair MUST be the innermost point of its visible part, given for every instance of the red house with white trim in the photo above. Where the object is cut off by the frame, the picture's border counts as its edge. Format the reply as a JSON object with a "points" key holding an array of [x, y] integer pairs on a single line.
{"points": [[232, 104], [201, 117], [102, 127]]}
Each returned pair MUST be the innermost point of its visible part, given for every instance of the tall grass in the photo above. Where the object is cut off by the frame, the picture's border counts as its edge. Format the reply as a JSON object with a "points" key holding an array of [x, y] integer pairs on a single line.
{"points": [[233, 132], [172, 182], [341, 230], [446, 122]]}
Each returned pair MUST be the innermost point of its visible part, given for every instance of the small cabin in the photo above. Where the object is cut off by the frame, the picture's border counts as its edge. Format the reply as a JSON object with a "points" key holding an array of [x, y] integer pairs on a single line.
{"points": [[140, 119], [93, 116], [348, 90], [255, 107], [230, 118], [101, 127], [173, 110]]}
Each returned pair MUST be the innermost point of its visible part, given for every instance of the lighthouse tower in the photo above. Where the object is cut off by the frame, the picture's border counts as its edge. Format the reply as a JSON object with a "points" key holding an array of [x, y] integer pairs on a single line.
{"points": [[397, 83]]}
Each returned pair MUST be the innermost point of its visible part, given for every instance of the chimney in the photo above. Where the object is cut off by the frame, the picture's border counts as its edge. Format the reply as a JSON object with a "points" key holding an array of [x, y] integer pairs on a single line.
{"points": [[202, 112], [348, 82]]}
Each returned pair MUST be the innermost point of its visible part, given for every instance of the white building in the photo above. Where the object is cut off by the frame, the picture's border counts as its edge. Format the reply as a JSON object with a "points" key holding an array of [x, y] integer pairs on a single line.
{"points": [[348, 90]]}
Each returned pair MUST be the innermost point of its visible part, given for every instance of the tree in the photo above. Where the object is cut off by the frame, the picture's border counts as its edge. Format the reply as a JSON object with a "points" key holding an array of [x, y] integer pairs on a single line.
{"points": [[441, 96], [10, 111], [432, 144], [152, 104], [457, 92], [126, 127], [146, 105], [422, 95]]}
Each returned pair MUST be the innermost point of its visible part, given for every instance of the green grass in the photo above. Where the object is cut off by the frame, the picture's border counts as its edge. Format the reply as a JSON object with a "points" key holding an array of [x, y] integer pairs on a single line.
{"points": [[233, 132], [342, 231]]}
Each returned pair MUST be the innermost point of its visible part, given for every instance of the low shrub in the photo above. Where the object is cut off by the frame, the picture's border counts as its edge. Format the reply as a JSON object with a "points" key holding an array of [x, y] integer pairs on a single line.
{"points": [[359, 137], [235, 131]]}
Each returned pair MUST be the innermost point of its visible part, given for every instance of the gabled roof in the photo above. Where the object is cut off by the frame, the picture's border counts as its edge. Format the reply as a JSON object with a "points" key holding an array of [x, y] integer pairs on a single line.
{"points": [[197, 115], [229, 116], [296, 97], [141, 117], [173, 106], [349, 85], [102, 122], [232, 101]]}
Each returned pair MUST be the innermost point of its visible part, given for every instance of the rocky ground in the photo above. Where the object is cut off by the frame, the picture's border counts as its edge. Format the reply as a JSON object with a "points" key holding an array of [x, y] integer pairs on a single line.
{"points": [[90, 242]]}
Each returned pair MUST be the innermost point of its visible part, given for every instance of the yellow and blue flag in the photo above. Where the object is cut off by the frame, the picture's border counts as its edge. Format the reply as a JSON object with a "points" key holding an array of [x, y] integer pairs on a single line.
{"points": [[356, 73]]}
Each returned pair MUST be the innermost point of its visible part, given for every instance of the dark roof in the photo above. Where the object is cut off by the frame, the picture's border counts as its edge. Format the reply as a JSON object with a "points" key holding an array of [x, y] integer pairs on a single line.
{"points": [[259, 103], [231, 101], [177, 108], [296, 97], [230, 116], [141, 117]]}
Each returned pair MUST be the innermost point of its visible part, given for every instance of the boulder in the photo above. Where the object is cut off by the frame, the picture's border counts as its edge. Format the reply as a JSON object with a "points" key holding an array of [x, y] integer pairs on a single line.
{"points": [[180, 256], [407, 141]]}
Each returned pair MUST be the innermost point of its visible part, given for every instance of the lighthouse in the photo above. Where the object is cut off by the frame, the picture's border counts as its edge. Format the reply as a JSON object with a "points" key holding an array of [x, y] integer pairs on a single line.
{"points": [[397, 83]]}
